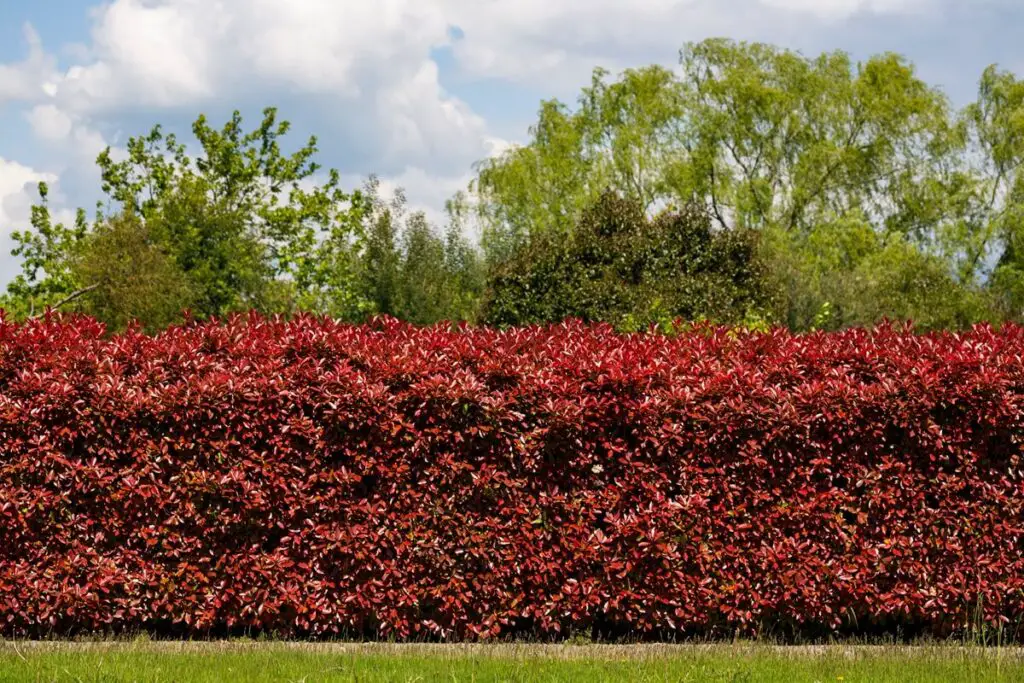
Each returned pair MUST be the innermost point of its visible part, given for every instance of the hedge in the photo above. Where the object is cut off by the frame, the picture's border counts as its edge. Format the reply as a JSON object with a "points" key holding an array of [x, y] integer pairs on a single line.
{"points": [[309, 478]]}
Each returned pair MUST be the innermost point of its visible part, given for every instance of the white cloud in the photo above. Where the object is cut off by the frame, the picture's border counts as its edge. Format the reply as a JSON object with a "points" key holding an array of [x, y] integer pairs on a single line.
{"points": [[371, 59], [325, 45], [497, 146], [840, 9], [152, 53], [556, 43], [49, 122], [81, 142], [18, 192], [374, 58], [24, 80]]}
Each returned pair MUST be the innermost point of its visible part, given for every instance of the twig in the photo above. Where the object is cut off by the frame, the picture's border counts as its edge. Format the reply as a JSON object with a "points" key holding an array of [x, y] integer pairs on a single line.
{"points": [[71, 297]]}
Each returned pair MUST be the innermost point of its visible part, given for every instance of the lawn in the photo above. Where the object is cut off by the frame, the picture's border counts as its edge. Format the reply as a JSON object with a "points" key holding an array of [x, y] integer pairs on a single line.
{"points": [[311, 663]]}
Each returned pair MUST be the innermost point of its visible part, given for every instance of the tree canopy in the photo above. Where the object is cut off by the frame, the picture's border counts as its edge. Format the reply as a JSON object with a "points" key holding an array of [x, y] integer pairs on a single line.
{"points": [[240, 225], [620, 266], [872, 195], [751, 183]]}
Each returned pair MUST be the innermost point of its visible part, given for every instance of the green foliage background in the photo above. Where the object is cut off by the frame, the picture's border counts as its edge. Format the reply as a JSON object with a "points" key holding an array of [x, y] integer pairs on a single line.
{"points": [[753, 185]]}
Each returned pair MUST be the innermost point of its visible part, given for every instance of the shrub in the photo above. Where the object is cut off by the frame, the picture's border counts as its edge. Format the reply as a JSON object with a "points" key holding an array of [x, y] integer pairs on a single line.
{"points": [[311, 478], [621, 267]]}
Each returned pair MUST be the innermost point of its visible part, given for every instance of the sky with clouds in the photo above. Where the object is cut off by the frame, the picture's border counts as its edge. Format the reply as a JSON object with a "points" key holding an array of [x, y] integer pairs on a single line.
{"points": [[412, 90]]}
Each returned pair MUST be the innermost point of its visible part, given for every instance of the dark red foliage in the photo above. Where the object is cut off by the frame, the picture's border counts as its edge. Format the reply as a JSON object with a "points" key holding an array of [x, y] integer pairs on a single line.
{"points": [[313, 478]]}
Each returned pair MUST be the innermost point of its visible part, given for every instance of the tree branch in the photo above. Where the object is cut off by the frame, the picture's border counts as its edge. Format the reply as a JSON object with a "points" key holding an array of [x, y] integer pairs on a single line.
{"points": [[714, 199], [71, 297]]}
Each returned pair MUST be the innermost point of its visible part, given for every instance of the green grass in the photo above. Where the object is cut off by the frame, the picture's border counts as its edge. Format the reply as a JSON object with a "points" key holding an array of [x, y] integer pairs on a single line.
{"points": [[251, 661]]}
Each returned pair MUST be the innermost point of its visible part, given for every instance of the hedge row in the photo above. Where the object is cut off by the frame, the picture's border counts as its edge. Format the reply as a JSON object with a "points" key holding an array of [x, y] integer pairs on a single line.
{"points": [[310, 478]]}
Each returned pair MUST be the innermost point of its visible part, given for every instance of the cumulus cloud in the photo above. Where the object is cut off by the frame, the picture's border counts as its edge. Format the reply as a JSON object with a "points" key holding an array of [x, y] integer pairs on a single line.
{"points": [[19, 186], [53, 125], [18, 190], [158, 51], [558, 42], [373, 60], [840, 9], [49, 122], [25, 80]]}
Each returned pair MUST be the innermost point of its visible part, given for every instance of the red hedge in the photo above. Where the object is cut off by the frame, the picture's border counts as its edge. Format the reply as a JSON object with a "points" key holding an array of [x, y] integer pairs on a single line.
{"points": [[312, 478]]}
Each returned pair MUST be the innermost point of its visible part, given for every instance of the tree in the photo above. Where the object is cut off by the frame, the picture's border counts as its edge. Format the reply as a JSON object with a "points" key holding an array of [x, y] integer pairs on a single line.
{"points": [[846, 273], [464, 264], [622, 267], [247, 225], [242, 217], [381, 259], [425, 287], [410, 271], [776, 139], [46, 276], [797, 149], [127, 277], [620, 139], [538, 189], [987, 192]]}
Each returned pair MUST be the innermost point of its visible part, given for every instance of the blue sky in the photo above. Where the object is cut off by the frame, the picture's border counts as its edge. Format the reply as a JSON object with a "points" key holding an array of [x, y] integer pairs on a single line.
{"points": [[413, 90]]}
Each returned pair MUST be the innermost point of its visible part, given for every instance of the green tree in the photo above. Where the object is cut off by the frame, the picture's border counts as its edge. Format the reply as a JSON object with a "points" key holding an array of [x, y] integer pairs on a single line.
{"points": [[46, 277], [775, 139], [248, 225], [846, 272], [622, 267], [465, 266], [863, 161], [425, 286], [986, 234], [244, 220], [381, 259], [536, 189], [620, 138], [408, 269], [127, 277]]}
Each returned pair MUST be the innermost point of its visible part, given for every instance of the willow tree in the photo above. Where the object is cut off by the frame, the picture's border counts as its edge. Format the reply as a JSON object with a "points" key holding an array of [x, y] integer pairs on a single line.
{"points": [[843, 168]]}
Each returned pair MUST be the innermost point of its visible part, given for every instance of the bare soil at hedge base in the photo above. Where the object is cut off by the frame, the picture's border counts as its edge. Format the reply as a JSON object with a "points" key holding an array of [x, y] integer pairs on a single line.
{"points": [[559, 651]]}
